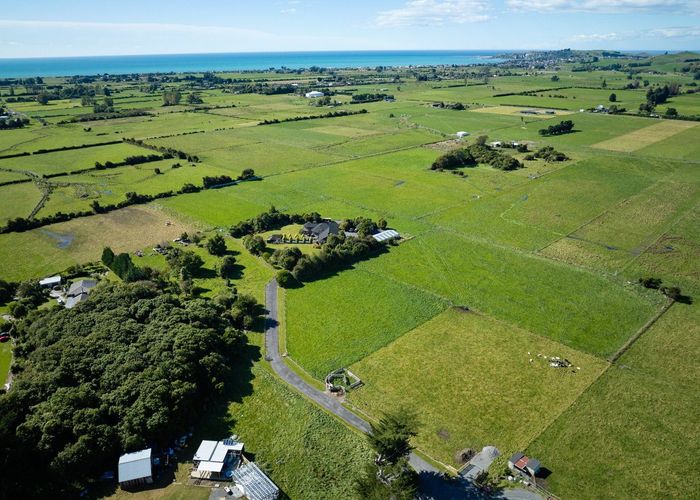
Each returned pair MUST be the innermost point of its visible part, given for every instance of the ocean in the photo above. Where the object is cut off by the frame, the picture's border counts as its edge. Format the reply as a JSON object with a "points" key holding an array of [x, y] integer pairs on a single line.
{"points": [[180, 63]]}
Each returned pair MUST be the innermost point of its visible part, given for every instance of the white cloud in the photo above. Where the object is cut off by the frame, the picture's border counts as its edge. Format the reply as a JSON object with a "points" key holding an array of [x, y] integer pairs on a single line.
{"points": [[434, 13], [656, 33], [139, 27], [291, 10], [606, 6]]}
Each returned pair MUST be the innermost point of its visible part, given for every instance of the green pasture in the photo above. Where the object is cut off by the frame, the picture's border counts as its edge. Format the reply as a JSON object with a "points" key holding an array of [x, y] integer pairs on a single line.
{"points": [[474, 381], [18, 200], [340, 319], [74, 159], [555, 300], [51, 249], [638, 418]]}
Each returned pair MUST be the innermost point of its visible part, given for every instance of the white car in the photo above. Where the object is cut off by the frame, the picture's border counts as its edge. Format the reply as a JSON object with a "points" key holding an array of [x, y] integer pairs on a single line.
{"points": [[228, 490]]}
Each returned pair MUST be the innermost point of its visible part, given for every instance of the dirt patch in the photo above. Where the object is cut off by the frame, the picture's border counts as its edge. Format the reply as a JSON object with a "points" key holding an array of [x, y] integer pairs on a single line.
{"points": [[445, 146]]}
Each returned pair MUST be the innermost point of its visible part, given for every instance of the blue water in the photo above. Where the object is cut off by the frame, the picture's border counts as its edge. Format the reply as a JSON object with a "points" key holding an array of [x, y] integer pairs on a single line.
{"points": [[69, 66]]}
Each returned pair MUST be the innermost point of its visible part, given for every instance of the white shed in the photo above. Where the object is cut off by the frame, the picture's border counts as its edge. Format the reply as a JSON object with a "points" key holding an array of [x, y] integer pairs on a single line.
{"points": [[314, 94], [135, 468], [461, 134]]}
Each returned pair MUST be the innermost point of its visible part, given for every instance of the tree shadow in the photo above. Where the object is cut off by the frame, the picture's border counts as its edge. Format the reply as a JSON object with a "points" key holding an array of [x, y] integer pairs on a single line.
{"points": [[685, 299], [437, 486]]}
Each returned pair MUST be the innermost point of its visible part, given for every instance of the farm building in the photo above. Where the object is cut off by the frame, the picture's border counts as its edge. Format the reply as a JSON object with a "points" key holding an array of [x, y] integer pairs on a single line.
{"points": [[217, 460], [135, 469], [78, 292], [254, 483], [461, 134], [275, 239], [387, 235], [320, 231], [523, 464], [314, 94], [51, 281]]}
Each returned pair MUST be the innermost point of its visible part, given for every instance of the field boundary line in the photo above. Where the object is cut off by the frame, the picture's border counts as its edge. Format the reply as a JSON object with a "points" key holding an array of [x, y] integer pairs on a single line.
{"points": [[666, 231], [645, 327], [610, 362]]}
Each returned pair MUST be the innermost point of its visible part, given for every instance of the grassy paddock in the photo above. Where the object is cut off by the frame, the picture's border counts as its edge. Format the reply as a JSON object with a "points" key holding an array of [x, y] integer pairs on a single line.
{"points": [[334, 322], [646, 136], [47, 250], [471, 381], [638, 421]]}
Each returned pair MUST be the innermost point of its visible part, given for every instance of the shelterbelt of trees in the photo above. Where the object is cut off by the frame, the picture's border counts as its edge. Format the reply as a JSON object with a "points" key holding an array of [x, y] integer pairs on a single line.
{"points": [[132, 367]]}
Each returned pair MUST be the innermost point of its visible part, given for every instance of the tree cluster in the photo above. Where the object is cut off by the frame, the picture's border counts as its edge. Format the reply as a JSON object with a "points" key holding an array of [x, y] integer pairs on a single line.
{"points": [[563, 127], [473, 155], [272, 219], [330, 114], [132, 367], [548, 154]]}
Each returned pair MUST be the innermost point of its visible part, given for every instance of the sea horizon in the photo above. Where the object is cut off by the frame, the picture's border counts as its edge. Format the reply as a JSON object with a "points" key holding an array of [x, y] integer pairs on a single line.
{"points": [[237, 61]]}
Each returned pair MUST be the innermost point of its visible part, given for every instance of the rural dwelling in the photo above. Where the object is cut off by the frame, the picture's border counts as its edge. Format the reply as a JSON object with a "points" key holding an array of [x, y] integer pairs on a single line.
{"points": [[461, 134], [254, 483], [78, 292], [51, 281], [523, 464], [135, 469], [216, 460], [320, 231], [386, 235], [314, 94]]}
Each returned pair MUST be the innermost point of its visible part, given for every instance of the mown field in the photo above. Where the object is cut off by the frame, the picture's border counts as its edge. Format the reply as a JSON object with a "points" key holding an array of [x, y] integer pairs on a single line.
{"points": [[545, 258]]}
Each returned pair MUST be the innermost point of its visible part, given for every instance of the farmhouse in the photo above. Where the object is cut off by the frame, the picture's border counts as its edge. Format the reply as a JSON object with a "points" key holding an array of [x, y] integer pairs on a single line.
{"points": [[135, 469], [320, 231], [78, 292], [314, 94], [523, 464], [216, 460]]}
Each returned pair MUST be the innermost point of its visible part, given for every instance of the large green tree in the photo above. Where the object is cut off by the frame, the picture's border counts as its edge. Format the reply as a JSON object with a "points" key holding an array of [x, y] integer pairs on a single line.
{"points": [[128, 368]]}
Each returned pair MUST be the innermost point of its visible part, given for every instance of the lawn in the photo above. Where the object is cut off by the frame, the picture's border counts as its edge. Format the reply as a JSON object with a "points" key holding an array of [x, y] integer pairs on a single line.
{"points": [[334, 322], [639, 421], [644, 137], [474, 381]]}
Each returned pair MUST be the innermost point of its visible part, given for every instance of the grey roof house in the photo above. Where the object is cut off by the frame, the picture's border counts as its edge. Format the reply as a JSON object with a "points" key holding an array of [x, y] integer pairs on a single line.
{"points": [[320, 231], [78, 292]]}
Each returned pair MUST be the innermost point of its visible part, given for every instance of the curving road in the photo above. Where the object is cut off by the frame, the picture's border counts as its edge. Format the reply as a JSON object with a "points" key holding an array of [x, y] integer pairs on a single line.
{"points": [[433, 485]]}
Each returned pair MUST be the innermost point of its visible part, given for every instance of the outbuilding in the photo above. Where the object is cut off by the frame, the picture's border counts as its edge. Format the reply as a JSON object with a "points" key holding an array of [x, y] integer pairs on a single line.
{"points": [[135, 469], [314, 94], [523, 464], [255, 483], [461, 134], [51, 281], [386, 235]]}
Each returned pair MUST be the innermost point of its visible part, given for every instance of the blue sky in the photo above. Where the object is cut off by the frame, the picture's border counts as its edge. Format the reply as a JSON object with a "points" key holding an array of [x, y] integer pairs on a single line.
{"points": [[44, 28]]}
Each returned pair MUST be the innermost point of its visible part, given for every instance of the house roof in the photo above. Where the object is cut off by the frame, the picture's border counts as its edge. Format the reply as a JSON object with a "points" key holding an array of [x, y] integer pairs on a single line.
{"points": [[256, 485], [516, 456], [386, 235], [74, 300], [215, 451], [135, 465], [321, 230], [81, 286]]}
